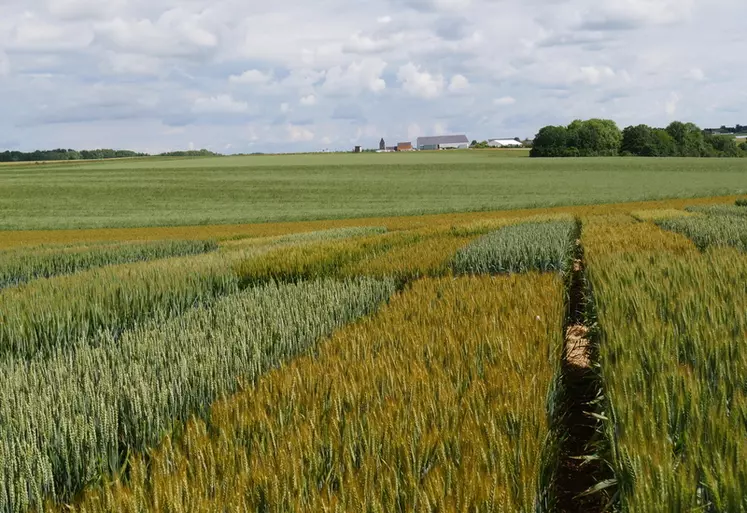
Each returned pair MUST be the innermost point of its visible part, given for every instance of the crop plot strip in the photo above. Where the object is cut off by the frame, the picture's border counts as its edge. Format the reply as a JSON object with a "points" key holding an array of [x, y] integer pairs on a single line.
{"points": [[721, 210], [711, 230], [44, 316], [71, 420], [437, 402], [673, 324], [20, 266], [542, 246]]}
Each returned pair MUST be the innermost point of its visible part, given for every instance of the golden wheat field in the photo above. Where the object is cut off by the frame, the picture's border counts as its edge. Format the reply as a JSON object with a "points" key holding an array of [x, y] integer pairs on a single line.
{"points": [[547, 360]]}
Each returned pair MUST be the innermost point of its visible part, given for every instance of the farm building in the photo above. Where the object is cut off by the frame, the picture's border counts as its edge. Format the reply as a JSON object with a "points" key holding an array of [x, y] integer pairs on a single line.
{"points": [[504, 143], [404, 146], [443, 142]]}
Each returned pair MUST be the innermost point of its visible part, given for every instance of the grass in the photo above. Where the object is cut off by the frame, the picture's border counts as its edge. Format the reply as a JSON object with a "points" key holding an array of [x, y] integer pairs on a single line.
{"points": [[232, 190]]}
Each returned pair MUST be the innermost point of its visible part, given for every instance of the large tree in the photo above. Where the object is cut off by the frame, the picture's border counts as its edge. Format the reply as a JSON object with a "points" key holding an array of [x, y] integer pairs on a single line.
{"points": [[551, 141]]}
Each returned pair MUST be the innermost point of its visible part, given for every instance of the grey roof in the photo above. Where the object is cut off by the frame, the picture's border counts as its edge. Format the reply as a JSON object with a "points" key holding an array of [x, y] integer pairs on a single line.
{"points": [[442, 139]]}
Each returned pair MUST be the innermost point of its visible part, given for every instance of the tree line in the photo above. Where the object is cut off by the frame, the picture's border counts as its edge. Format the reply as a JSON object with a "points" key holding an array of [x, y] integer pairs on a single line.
{"points": [[101, 154], [602, 137]]}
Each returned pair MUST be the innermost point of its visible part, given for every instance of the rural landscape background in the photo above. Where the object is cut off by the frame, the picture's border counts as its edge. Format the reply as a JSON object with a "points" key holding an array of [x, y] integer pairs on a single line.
{"points": [[470, 330], [435, 256]]}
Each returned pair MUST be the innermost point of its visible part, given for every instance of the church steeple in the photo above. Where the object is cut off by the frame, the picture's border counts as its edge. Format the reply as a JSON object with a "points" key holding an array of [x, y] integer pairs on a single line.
{"points": [[382, 144]]}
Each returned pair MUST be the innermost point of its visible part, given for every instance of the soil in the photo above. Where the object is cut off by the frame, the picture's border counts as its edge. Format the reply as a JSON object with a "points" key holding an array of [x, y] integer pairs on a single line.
{"points": [[576, 475]]}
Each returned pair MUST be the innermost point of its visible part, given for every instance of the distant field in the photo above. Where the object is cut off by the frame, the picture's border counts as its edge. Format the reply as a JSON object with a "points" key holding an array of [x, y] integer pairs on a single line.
{"points": [[232, 190]]}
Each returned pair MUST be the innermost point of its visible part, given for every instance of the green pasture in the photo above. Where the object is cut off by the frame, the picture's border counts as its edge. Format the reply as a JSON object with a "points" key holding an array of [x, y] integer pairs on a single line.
{"points": [[226, 190]]}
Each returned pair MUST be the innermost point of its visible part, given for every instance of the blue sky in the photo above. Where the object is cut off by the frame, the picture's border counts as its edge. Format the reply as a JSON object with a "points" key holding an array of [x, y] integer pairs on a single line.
{"points": [[244, 76]]}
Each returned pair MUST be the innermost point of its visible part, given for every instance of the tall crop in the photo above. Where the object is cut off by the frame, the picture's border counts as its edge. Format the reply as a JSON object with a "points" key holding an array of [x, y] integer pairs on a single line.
{"points": [[43, 315], [306, 262], [437, 403], [542, 246], [21, 266], [430, 256], [321, 235], [741, 202], [673, 322], [721, 210], [67, 418], [716, 230]]}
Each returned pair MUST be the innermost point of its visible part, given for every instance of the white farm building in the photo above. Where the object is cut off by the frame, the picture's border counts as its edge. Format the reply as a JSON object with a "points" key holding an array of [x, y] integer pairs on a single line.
{"points": [[504, 143]]}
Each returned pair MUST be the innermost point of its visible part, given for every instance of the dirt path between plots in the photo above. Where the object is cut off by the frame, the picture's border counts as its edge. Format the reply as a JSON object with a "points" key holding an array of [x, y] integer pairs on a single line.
{"points": [[581, 385]]}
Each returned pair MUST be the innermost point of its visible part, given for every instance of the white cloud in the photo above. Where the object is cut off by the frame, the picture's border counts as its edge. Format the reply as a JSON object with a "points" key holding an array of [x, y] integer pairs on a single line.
{"points": [[35, 34], [4, 64], [134, 72], [356, 77], [362, 44], [82, 9], [251, 77], [458, 83], [414, 131], [176, 33], [696, 74], [308, 101], [631, 14], [299, 134], [504, 101], [420, 83], [593, 75], [132, 64], [220, 104], [440, 129], [670, 107]]}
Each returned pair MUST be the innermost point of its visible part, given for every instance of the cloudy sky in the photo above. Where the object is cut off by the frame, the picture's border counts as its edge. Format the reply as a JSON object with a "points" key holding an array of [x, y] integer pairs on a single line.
{"points": [[295, 75]]}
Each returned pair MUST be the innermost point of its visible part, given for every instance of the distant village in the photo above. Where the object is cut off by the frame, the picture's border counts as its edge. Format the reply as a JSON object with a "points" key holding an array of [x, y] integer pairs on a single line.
{"points": [[446, 142]]}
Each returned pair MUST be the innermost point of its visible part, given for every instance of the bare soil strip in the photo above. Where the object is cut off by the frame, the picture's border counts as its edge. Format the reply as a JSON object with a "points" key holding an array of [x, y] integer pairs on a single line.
{"points": [[576, 475]]}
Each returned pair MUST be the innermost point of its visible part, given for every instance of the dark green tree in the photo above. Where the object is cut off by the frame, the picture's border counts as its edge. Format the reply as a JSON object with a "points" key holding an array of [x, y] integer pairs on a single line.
{"points": [[551, 141], [639, 140], [723, 145]]}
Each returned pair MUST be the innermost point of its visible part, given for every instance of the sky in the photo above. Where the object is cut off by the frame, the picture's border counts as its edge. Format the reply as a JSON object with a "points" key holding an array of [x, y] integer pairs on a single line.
{"points": [[243, 76]]}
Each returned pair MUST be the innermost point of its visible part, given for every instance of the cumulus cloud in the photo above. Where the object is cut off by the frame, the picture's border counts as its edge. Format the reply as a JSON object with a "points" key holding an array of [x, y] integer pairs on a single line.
{"points": [[696, 74], [35, 34], [631, 14], [82, 9], [420, 83], [175, 33], [308, 101], [156, 73], [458, 84], [359, 76], [251, 77], [4, 64], [299, 134], [504, 101], [128, 64], [220, 104], [670, 107]]}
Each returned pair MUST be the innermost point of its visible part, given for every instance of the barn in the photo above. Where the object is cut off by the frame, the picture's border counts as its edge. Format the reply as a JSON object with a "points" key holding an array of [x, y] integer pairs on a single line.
{"points": [[504, 143], [443, 142]]}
